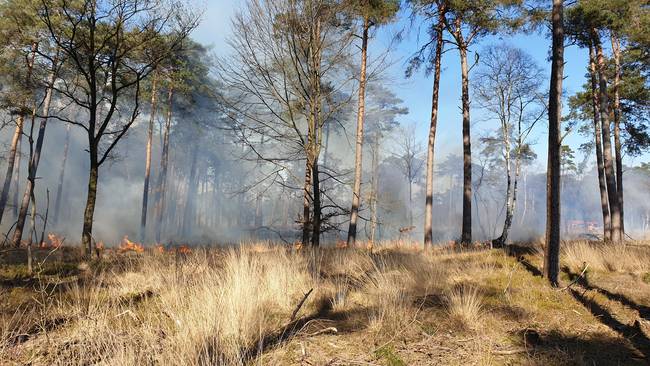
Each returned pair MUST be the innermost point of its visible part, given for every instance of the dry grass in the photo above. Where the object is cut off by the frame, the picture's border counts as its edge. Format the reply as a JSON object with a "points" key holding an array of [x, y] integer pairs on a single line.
{"points": [[605, 257], [234, 306], [465, 305]]}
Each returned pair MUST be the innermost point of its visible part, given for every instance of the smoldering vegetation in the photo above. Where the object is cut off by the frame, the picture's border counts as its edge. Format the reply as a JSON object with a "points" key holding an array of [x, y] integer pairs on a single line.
{"points": [[238, 153], [233, 200]]}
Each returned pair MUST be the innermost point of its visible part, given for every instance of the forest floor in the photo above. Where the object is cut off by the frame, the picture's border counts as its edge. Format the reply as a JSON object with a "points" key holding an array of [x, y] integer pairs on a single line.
{"points": [[267, 304]]}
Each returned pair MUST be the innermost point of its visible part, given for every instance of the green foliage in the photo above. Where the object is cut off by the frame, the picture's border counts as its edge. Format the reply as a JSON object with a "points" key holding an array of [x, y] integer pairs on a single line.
{"points": [[646, 277], [376, 11], [388, 354]]}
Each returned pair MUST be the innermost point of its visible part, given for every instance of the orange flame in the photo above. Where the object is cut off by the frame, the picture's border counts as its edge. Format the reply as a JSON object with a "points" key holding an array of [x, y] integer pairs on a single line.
{"points": [[159, 248], [184, 249], [129, 246], [341, 244], [297, 245], [55, 241]]}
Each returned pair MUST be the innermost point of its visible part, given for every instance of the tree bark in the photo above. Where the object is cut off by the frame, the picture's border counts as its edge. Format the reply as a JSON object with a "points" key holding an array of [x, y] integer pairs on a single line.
{"points": [[162, 177], [306, 203], [11, 163], [616, 49], [428, 210], [59, 189], [34, 160], [610, 178], [16, 183], [602, 185], [316, 222], [553, 191], [502, 239], [466, 232], [358, 158], [147, 168], [91, 199], [374, 186]]}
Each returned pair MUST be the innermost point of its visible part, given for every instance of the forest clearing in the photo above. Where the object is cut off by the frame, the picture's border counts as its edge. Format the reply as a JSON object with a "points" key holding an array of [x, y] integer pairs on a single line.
{"points": [[325, 182]]}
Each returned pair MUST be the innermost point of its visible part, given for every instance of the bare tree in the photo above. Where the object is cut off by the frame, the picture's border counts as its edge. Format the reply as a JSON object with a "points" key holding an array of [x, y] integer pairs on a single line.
{"points": [[286, 55], [111, 47], [409, 153], [508, 86]]}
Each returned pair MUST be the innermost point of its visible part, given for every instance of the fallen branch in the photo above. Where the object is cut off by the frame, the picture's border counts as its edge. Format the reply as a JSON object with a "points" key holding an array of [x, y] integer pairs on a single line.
{"points": [[297, 309], [322, 331], [507, 352], [576, 279]]}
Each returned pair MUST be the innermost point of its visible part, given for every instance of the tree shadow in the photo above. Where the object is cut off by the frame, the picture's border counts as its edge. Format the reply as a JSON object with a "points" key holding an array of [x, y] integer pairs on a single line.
{"points": [[644, 311], [520, 252], [633, 333], [555, 348]]}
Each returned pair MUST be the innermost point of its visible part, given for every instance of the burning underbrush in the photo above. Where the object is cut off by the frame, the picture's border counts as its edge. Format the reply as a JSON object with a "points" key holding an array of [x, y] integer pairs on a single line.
{"points": [[394, 303]]}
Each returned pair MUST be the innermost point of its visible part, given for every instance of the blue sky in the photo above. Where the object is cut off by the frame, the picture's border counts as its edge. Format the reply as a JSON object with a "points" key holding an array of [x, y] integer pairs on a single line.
{"points": [[416, 91]]}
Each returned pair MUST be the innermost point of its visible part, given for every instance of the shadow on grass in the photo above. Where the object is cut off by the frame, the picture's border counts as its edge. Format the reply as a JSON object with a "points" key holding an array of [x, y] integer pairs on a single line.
{"points": [[519, 252], [632, 333], [343, 321], [644, 311], [556, 348]]}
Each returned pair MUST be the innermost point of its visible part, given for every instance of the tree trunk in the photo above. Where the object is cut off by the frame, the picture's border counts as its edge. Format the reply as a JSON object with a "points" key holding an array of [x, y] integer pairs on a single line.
{"points": [[616, 49], [33, 162], [59, 189], [358, 158], [466, 232], [502, 239], [162, 177], [316, 222], [11, 163], [188, 217], [552, 248], [610, 178], [89, 212], [374, 185], [147, 168], [306, 199], [428, 210], [30, 259], [16, 184], [602, 185]]}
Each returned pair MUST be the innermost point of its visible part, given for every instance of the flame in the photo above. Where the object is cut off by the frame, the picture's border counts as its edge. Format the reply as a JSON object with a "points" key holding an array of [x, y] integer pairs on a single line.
{"points": [[341, 244], [129, 246], [297, 245], [55, 241], [159, 248], [184, 249]]}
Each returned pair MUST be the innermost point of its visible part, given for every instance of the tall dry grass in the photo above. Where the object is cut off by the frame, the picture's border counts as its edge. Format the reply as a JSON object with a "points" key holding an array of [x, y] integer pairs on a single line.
{"points": [[199, 310], [227, 306], [605, 257]]}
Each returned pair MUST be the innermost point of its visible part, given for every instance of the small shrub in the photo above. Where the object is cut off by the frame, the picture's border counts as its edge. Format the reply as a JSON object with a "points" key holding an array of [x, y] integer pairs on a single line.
{"points": [[465, 305], [388, 354]]}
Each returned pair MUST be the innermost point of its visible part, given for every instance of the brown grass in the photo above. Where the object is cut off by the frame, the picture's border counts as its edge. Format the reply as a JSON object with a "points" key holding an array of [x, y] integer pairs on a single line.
{"points": [[606, 257], [233, 306]]}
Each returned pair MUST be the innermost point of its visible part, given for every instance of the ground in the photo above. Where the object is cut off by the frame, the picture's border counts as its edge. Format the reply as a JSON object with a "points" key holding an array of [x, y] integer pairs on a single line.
{"points": [[394, 304]]}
